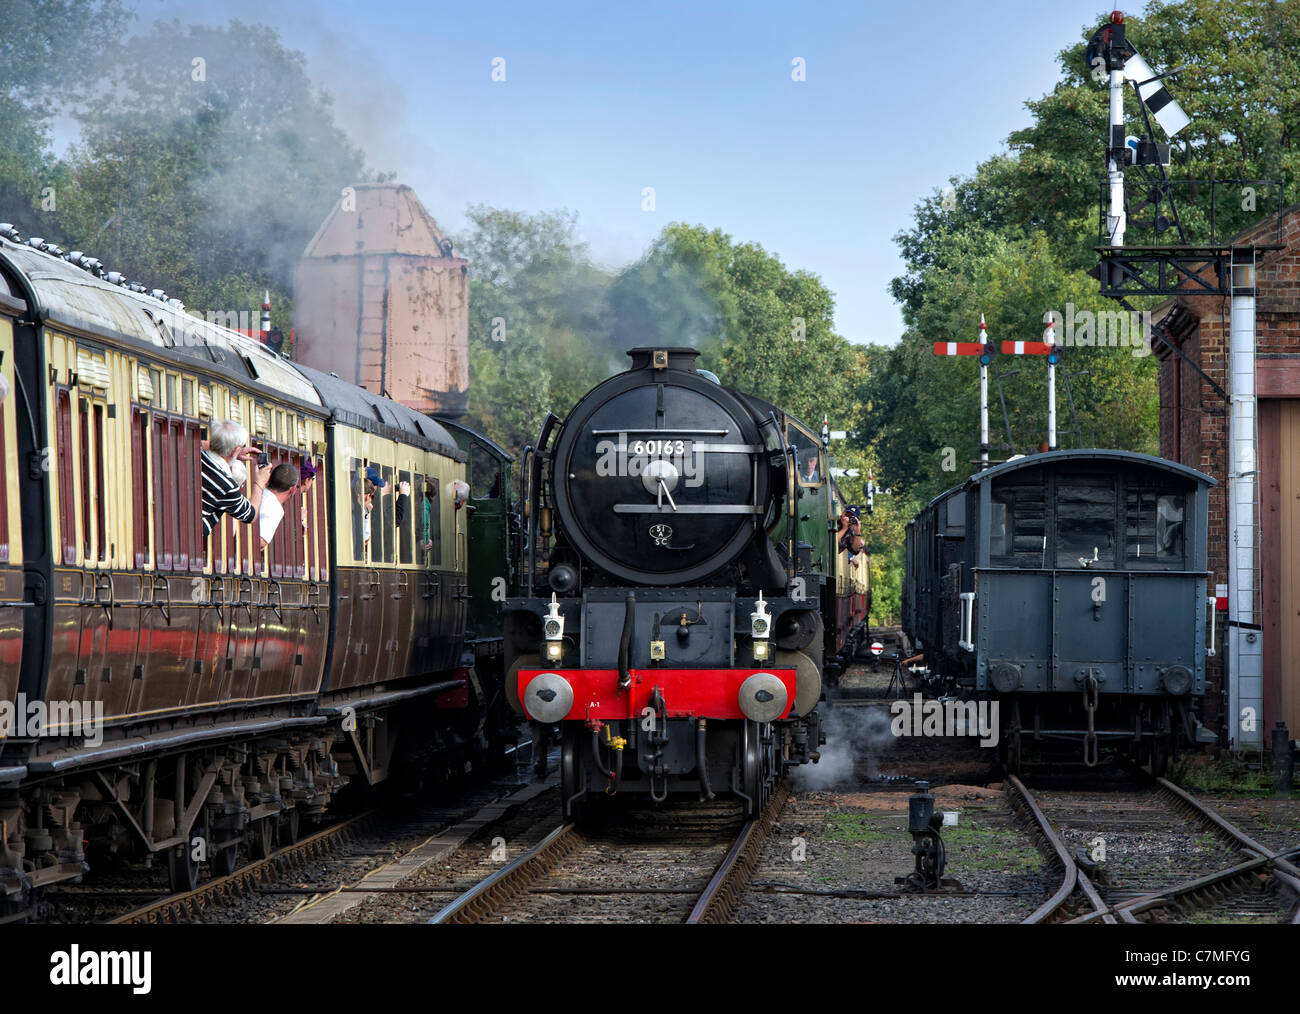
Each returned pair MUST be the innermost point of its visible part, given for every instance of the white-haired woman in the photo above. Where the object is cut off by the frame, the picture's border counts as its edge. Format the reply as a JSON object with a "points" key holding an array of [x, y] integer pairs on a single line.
{"points": [[227, 447]]}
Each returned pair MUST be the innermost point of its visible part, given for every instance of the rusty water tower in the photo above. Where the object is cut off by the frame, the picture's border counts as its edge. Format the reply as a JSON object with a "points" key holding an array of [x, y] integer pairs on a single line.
{"points": [[381, 300]]}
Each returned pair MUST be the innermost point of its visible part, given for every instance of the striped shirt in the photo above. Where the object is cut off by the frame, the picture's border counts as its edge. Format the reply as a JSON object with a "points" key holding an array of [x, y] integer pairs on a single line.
{"points": [[222, 494]]}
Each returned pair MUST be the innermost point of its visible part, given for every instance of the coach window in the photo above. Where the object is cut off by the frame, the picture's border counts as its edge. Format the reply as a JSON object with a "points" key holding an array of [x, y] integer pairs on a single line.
{"points": [[428, 514], [4, 484], [100, 487], [140, 485], [83, 417], [1085, 522], [998, 515], [389, 502], [404, 540], [360, 523], [1154, 525], [1025, 510]]}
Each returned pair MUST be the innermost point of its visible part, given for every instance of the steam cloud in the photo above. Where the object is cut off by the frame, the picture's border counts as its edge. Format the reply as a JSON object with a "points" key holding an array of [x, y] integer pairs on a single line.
{"points": [[855, 739]]}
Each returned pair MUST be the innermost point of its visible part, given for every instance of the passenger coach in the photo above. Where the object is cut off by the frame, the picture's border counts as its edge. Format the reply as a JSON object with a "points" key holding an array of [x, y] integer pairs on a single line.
{"points": [[239, 689]]}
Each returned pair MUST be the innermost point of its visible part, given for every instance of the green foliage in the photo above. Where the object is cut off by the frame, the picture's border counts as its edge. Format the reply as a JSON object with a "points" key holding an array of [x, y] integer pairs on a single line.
{"points": [[49, 50], [546, 325], [536, 321], [1015, 239], [206, 180]]}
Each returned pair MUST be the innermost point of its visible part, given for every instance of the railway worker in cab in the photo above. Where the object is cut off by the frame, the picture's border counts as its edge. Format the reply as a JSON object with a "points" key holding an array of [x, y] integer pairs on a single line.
{"points": [[225, 450], [280, 486]]}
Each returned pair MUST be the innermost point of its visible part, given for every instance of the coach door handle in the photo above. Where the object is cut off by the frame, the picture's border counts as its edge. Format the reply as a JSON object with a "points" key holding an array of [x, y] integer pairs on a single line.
{"points": [[245, 603], [373, 583], [217, 597], [403, 586], [105, 582], [432, 586], [164, 607], [313, 599], [273, 588]]}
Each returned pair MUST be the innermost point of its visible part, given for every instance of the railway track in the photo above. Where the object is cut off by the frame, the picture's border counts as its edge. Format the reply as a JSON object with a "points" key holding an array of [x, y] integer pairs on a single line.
{"points": [[692, 867], [321, 865], [189, 906], [1148, 851]]}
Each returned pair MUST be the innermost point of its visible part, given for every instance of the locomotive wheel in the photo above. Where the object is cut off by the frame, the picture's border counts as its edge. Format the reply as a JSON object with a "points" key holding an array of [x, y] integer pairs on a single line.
{"points": [[261, 838], [754, 769], [571, 774], [225, 860], [182, 870]]}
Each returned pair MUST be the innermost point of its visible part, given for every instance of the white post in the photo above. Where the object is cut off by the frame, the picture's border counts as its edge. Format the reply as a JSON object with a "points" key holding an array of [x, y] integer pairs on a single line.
{"points": [[1245, 640], [1050, 338], [1116, 220], [984, 399]]}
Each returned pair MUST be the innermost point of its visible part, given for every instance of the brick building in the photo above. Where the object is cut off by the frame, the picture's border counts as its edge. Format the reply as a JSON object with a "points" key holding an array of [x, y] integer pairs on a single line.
{"points": [[1194, 430]]}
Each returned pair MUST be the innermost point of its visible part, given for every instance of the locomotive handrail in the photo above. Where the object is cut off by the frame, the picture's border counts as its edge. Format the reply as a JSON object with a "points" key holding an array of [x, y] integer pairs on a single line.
{"points": [[529, 452], [791, 482], [1212, 602], [965, 621]]}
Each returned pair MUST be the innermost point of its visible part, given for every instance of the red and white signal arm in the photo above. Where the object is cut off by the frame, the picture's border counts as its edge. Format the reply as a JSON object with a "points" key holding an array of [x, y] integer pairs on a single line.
{"points": [[876, 647]]}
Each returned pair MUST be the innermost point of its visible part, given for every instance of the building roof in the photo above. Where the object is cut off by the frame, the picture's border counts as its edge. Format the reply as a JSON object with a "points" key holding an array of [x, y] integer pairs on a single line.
{"points": [[383, 218]]}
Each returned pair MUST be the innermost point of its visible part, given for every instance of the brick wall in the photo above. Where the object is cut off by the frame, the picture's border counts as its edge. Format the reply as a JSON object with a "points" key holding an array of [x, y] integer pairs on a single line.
{"points": [[1193, 417]]}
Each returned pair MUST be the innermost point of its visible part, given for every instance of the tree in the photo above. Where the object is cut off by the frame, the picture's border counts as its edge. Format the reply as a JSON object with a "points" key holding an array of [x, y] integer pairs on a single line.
{"points": [[206, 162], [49, 51], [537, 312]]}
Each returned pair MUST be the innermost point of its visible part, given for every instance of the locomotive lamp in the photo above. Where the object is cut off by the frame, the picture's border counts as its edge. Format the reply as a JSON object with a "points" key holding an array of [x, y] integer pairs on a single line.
{"points": [[760, 621], [553, 631], [760, 626]]}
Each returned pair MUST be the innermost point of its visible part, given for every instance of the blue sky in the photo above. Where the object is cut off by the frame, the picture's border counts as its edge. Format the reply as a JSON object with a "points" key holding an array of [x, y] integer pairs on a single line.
{"points": [[693, 99]]}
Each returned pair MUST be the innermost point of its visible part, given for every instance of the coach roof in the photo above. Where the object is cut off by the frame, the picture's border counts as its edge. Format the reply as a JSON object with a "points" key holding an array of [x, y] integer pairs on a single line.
{"points": [[67, 295], [355, 406], [1048, 459]]}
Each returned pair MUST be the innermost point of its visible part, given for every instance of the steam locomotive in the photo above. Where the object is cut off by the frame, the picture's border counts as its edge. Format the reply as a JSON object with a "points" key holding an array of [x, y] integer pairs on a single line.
{"points": [[203, 695], [683, 590], [1070, 588]]}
